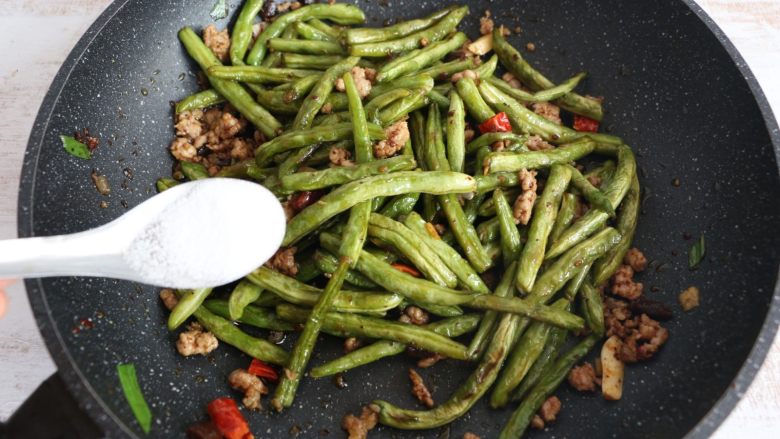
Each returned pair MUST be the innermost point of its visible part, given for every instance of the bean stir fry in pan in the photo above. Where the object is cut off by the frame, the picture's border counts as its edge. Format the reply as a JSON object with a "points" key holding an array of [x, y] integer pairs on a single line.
{"points": [[433, 203]]}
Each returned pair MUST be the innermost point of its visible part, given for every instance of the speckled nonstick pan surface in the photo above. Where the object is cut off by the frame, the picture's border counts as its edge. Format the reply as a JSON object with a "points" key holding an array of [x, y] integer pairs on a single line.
{"points": [[675, 89]]}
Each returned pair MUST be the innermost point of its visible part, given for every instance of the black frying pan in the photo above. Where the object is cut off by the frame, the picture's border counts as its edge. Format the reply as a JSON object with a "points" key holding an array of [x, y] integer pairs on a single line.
{"points": [[675, 89]]}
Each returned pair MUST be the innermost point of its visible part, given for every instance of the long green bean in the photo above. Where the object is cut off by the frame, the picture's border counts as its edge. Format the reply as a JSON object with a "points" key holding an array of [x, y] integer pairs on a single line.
{"points": [[315, 62], [200, 100], [309, 47], [189, 302], [253, 315], [604, 268], [241, 36], [564, 217], [242, 295], [317, 96], [327, 263], [399, 30], [420, 58], [456, 137], [515, 161], [476, 106], [310, 32], [313, 180], [592, 308], [510, 236], [595, 197], [259, 75]]}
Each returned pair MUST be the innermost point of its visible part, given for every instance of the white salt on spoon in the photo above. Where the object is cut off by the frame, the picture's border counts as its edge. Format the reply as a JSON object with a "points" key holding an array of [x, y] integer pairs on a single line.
{"points": [[200, 234]]}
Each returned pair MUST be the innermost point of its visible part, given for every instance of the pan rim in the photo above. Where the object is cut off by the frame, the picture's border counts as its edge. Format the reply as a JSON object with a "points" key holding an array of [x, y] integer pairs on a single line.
{"points": [[94, 406]]}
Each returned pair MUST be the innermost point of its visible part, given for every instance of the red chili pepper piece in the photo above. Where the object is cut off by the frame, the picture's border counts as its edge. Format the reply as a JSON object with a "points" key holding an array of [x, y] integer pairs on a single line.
{"points": [[586, 124], [496, 124], [303, 199], [406, 269], [263, 370], [228, 419]]}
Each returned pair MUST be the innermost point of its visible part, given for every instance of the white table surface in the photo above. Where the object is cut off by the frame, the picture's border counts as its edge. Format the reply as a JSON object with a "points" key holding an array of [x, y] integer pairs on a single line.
{"points": [[39, 34]]}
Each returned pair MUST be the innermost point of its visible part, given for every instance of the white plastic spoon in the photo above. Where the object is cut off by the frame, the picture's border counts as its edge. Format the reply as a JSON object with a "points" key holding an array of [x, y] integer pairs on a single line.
{"points": [[194, 235]]}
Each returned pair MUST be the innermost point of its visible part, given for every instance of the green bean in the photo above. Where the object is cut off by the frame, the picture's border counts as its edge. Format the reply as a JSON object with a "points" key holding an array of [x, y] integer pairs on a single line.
{"points": [[303, 137], [254, 347], [487, 68], [194, 171], [569, 263], [603, 172], [200, 100], [230, 90], [488, 139], [400, 205], [241, 36], [541, 224], [439, 99], [604, 268], [555, 340], [189, 301], [515, 161], [238, 169], [472, 388], [384, 275], [592, 308], [440, 310], [252, 316], [316, 62], [340, 13], [451, 327], [348, 195], [313, 180], [418, 252], [310, 32], [381, 101], [305, 295], [510, 236], [260, 174], [574, 285], [488, 207], [564, 217], [307, 268], [304, 345], [423, 38], [274, 100], [317, 96], [294, 160], [416, 81], [547, 384], [163, 184], [525, 352], [242, 295], [465, 273], [524, 120], [476, 106], [514, 62], [308, 47], [546, 95], [258, 75], [327, 263], [371, 327], [596, 219], [456, 137], [447, 69], [274, 59], [595, 197], [399, 30], [487, 183], [402, 107], [532, 309], [325, 28], [489, 230], [420, 58]]}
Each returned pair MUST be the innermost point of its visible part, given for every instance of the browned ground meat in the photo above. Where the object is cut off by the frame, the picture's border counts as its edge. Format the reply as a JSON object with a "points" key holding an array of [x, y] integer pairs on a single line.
{"points": [[284, 261], [363, 77], [583, 378], [469, 134], [525, 201], [169, 298], [617, 317], [511, 80], [642, 343], [636, 259], [689, 299], [419, 390], [550, 409], [548, 111], [430, 361], [536, 143], [396, 135], [595, 180], [537, 422], [623, 284], [340, 157], [350, 344], [188, 124], [196, 341], [218, 42], [358, 427], [468, 73], [470, 435], [414, 315], [486, 23], [251, 385]]}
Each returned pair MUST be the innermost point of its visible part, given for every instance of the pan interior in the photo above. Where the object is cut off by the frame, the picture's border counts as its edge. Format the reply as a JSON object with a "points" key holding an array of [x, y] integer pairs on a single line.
{"points": [[670, 90]]}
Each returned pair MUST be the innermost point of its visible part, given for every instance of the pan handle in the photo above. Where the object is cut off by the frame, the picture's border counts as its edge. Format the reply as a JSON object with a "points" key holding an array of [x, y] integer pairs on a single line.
{"points": [[50, 412]]}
